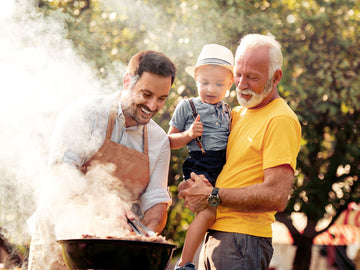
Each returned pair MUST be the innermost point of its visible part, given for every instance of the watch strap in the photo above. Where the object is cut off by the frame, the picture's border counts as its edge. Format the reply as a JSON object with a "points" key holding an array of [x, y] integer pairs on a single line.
{"points": [[215, 191]]}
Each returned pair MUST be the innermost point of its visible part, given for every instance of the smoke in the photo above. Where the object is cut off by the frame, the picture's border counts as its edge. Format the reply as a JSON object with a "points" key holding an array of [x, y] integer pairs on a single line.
{"points": [[40, 73], [176, 35], [84, 206]]}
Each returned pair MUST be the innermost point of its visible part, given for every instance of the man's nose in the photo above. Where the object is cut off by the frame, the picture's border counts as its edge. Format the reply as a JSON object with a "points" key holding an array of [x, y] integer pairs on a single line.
{"points": [[153, 104], [241, 83]]}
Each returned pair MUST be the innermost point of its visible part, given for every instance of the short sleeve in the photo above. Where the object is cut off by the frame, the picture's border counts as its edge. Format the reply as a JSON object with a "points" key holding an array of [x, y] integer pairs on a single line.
{"points": [[181, 115], [281, 142]]}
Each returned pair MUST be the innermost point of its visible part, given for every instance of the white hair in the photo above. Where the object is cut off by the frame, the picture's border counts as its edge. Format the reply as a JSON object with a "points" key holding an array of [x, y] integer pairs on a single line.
{"points": [[252, 41]]}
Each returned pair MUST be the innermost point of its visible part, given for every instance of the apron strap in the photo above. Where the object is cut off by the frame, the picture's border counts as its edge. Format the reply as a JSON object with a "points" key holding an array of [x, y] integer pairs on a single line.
{"points": [[112, 117], [146, 150]]}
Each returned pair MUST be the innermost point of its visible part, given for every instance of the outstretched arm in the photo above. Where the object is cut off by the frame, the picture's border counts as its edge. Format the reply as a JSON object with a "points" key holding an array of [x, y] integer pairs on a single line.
{"points": [[271, 195]]}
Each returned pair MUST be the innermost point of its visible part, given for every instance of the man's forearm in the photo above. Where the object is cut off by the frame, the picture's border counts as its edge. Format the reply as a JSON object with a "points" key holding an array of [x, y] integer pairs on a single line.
{"points": [[271, 195], [155, 218]]}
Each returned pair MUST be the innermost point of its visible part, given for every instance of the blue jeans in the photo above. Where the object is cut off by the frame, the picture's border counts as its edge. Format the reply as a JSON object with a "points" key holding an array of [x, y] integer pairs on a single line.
{"points": [[235, 251]]}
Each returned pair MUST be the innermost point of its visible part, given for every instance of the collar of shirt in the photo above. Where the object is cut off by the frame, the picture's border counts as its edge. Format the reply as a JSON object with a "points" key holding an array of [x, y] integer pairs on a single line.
{"points": [[220, 109]]}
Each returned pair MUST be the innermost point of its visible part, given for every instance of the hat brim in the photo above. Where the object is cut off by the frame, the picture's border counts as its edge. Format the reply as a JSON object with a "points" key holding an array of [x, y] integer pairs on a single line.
{"points": [[191, 69]]}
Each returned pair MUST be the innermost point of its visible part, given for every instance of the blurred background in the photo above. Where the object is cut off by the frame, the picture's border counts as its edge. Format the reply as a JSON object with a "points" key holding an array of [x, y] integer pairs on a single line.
{"points": [[53, 51]]}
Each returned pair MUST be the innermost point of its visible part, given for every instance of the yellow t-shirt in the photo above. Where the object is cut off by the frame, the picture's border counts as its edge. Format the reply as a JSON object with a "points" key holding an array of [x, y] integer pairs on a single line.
{"points": [[259, 139]]}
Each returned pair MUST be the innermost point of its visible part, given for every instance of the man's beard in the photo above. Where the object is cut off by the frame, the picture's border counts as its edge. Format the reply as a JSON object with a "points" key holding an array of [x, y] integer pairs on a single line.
{"points": [[255, 99], [134, 113], [143, 117]]}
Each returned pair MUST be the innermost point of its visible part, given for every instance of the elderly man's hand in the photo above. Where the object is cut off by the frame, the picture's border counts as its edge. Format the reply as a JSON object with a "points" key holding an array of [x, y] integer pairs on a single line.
{"points": [[195, 192], [184, 185]]}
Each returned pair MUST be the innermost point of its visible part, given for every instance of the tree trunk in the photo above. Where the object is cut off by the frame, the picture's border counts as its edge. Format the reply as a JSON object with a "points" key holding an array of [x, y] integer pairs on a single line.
{"points": [[302, 258]]}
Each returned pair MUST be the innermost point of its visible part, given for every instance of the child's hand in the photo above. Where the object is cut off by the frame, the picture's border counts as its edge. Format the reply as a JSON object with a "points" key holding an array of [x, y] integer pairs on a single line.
{"points": [[196, 129]]}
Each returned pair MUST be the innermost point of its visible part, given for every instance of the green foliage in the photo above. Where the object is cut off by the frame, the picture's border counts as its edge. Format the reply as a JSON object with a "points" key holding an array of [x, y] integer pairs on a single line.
{"points": [[325, 85], [321, 76], [102, 36]]}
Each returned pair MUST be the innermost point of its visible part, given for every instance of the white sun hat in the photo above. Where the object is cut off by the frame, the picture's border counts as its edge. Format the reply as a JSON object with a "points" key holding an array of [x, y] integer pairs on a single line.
{"points": [[213, 54]]}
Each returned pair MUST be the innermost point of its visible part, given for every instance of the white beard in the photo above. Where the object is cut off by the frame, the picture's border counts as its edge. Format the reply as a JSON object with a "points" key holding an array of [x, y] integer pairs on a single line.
{"points": [[255, 98]]}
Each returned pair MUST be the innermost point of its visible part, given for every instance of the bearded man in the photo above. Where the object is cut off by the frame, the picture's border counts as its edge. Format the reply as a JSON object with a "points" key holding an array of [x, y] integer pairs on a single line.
{"points": [[109, 145]]}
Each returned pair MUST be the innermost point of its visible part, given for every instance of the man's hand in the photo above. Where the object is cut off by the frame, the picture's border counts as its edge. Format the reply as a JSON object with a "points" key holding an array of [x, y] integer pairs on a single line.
{"points": [[195, 192], [125, 213], [184, 185]]}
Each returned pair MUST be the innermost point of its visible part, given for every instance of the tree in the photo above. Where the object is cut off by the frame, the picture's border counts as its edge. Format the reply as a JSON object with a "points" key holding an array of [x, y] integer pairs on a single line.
{"points": [[321, 82], [325, 88]]}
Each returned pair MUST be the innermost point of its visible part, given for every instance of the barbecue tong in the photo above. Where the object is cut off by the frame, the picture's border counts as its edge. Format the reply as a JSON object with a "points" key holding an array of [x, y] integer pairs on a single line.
{"points": [[139, 228]]}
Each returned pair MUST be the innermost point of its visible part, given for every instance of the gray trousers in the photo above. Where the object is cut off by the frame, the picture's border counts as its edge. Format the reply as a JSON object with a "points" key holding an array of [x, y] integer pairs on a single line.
{"points": [[235, 251]]}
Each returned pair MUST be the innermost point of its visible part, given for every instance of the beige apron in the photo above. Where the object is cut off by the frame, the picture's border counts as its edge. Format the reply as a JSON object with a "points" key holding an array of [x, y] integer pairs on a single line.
{"points": [[129, 167]]}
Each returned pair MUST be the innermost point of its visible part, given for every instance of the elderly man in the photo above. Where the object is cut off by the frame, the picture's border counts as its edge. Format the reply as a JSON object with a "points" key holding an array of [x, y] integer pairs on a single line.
{"points": [[260, 162], [110, 141]]}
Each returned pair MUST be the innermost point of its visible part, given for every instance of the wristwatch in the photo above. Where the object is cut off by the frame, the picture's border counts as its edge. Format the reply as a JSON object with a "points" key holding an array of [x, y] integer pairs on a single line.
{"points": [[214, 199]]}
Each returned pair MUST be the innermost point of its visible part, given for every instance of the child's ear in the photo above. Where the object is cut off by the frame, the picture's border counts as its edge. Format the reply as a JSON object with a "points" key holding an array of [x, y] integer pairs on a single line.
{"points": [[231, 83]]}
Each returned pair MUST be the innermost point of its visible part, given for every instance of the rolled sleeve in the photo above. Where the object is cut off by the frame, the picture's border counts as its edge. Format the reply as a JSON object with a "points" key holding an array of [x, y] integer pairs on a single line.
{"points": [[157, 190], [153, 197]]}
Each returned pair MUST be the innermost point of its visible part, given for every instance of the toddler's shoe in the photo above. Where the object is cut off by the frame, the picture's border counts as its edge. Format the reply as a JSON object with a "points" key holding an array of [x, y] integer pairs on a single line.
{"points": [[187, 266]]}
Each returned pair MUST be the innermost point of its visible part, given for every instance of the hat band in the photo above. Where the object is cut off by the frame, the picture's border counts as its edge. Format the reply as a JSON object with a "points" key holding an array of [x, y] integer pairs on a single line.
{"points": [[215, 61]]}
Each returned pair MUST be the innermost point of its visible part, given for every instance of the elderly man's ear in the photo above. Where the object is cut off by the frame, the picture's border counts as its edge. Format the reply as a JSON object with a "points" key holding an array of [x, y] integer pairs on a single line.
{"points": [[277, 77]]}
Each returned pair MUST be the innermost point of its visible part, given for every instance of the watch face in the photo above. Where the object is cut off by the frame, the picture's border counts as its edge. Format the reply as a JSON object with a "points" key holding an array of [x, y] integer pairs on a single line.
{"points": [[214, 200]]}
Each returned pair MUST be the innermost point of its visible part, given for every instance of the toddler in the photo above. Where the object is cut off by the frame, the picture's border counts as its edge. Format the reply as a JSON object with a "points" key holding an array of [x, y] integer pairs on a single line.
{"points": [[203, 124]]}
